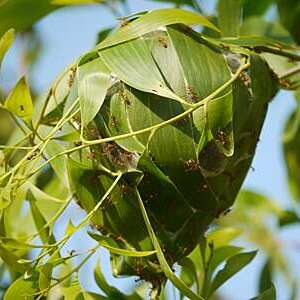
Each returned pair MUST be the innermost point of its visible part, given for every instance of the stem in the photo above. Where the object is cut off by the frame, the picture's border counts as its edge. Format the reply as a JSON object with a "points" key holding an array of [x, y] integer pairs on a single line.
{"points": [[290, 72], [292, 56]]}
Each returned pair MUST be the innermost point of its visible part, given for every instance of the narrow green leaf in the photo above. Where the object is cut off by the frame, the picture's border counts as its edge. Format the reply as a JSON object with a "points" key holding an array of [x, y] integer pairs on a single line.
{"points": [[221, 254], [19, 100], [94, 79], [269, 294], [265, 278], [161, 258], [229, 12], [112, 246], [152, 21], [233, 265], [288, 217], [5, 43]]}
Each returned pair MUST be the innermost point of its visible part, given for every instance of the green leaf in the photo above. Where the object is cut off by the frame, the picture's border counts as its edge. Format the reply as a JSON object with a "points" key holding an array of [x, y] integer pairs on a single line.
{"points": [[109, 290], [257, 8], [269, 294], [221, 254], [265, 278], [188, 272], [229, 12], [292, 157], [5, 43], [162, 260], [132, 62], [221, 237], [22, 14], [19, 100], [46, 204], [39, 220], [288, 217], [94, 79], [118, 111], [45, 274], [112, 246], [75, 2], [54, 115], [11, 260], [152, 21], [233, 265], [21, 289], [289, 12]]}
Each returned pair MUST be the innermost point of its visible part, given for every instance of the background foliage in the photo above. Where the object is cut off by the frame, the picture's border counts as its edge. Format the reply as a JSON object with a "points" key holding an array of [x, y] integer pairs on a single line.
{"points": [[252, 214]]}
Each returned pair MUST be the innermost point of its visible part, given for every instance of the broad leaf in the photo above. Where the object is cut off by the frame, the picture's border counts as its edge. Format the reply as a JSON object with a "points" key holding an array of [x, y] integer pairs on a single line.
{"points": [[19, 100]]}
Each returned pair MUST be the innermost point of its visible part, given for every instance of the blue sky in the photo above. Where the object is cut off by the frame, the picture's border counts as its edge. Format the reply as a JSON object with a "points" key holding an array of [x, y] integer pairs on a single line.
{"points": [[68, 33]]}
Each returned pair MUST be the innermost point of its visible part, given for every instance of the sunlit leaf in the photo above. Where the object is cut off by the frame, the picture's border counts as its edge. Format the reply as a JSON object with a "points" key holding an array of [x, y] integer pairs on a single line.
{"points": [[152, 21], [19, 100], [222, 237], [21, 289], [111, 245], [233, 265]]}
